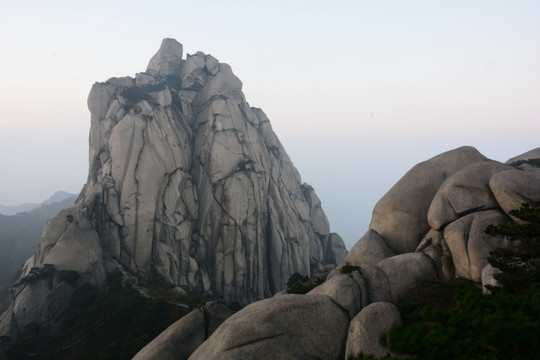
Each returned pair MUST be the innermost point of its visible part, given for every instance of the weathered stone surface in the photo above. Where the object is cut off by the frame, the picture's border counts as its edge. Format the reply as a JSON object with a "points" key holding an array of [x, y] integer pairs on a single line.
{"points": [[168, 60], [193, 76], [369, 250], [343, 290], [183, 337], [470, 245], [434, 245], [400, 216], [366, 328], [393, 278], [464, 192], [178, 341], [283, 327], [211, 64], [189, 185], [512, 188]]}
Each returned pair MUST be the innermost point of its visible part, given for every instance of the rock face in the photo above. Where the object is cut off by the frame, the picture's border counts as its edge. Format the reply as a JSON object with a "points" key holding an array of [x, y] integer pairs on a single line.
{"points": [[400, 216], [187, 185], [442, 206], [451, 198]]}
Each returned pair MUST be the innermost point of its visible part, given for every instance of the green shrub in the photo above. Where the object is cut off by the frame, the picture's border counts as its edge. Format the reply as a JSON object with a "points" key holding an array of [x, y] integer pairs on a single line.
{"points": [[295, 278], [519, 265], [35, 274], [304, 288], [136, 94]]}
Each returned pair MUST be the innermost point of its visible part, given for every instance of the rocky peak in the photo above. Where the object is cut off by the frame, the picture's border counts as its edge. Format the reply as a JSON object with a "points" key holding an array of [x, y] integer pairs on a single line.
{"points": [[187, 185], [168, 59]]}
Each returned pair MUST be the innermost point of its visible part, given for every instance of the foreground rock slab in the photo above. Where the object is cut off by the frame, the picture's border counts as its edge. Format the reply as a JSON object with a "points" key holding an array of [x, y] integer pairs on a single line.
{"points": [[283, 327]]}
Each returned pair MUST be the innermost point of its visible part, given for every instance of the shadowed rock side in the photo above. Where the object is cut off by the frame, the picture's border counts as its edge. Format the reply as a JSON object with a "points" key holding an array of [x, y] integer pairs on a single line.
{"points": [[188, 185]]}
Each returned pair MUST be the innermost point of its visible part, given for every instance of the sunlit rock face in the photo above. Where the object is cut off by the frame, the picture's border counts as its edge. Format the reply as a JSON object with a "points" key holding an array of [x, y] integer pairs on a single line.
{"points": [[188, 185], [442, 207]]}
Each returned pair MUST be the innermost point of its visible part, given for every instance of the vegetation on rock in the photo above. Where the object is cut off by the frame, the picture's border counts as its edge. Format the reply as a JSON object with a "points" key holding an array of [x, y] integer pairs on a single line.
{"points": [[519, 266], [298, 284]]}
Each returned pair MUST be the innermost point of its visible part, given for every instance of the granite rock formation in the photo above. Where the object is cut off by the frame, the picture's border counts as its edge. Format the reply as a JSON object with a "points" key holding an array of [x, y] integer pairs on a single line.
{"points": [[187, 185], [430, 225]]}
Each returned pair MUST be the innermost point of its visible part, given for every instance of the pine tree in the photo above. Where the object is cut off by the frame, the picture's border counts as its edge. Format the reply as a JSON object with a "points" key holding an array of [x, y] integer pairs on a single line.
{"points": [[518, 266]]}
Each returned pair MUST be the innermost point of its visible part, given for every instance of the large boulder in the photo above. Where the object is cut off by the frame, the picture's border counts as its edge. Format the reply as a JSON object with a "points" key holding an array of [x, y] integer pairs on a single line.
{"points": [[400, 216], [470, 245], [183, 337], [392, 279], [283, 327], [168, 60], [464, 192], [514, 187], [366, 328], [369, 250], [343, 290]]}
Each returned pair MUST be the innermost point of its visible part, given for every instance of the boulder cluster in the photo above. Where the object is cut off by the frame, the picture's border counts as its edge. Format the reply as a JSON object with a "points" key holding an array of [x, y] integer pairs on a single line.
{"points": [[429, 226], [188, 186]]}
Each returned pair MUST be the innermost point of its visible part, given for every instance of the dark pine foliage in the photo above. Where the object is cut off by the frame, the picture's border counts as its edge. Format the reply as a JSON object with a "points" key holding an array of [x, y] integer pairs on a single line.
{"points": [[298, 284], [519, 265]]}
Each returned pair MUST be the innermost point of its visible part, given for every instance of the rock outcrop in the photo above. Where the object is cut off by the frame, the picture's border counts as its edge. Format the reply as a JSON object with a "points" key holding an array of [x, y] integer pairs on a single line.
{"points": [[431, 225], [187, 185], [400, 216]]}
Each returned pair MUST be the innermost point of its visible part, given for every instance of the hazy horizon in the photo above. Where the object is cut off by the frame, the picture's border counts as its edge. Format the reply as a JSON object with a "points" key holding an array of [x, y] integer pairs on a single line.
{"points": [[358, 92]]}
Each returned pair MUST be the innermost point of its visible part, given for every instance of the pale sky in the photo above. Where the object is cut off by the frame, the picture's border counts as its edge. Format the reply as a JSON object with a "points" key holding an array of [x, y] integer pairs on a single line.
{"points": [[357, 91]]}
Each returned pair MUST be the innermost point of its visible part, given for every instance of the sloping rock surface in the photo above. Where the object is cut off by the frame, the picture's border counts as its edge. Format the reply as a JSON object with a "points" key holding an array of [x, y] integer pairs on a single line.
{"points": [[187, 185], [283, 327]]}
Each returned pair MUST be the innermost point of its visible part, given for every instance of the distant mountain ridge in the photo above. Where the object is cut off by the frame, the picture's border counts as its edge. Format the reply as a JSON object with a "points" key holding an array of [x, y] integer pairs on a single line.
{"points": [[57, 197]]}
